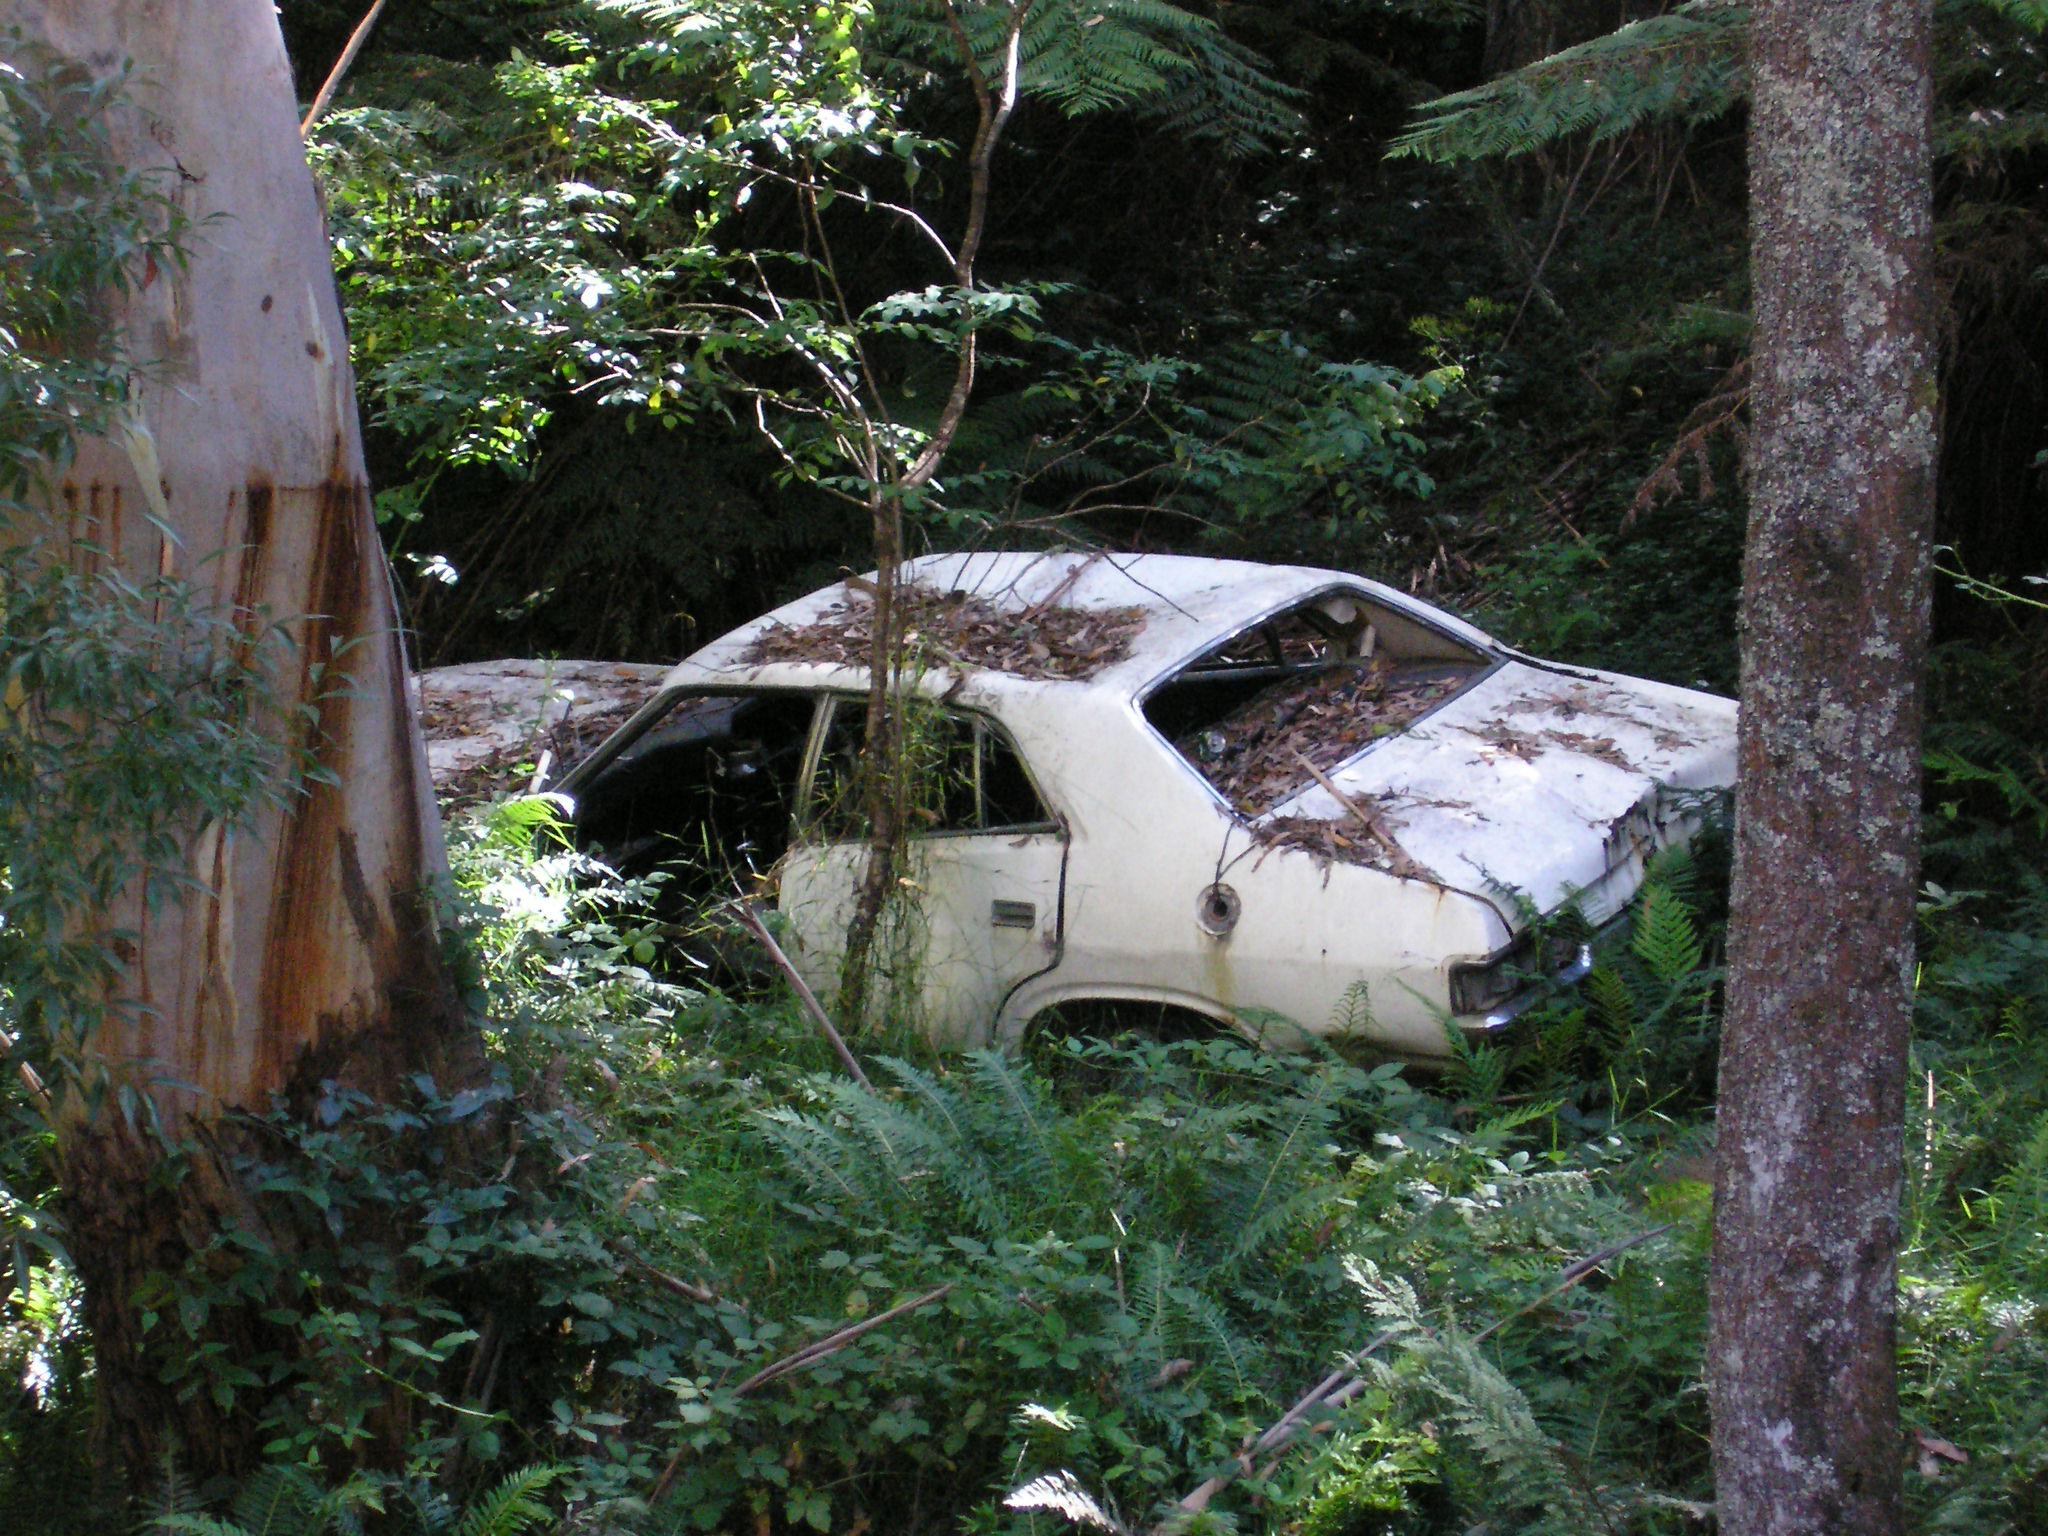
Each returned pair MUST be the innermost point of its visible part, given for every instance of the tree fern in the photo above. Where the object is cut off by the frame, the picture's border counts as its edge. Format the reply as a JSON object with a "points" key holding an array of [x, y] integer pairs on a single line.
{"points": [[1287, 1168], [1666, 937], [1691, 65], [1687, 66], [1178, 1320], [1528, 1469], [938, 1157], [1492, 1415], [273, 1501], [282, 1501], [1101, 55]]}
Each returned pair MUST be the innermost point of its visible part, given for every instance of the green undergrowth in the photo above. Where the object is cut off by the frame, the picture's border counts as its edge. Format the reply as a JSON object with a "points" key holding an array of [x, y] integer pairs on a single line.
{"points": [[713, 1284]]}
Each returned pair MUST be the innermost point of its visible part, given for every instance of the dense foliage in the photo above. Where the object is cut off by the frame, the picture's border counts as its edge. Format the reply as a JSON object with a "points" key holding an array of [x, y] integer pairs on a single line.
{"points": [[605, 263], [720, 1286]]}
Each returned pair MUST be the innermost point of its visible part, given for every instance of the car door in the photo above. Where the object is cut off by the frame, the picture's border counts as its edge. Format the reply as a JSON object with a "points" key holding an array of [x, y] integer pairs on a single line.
{"points": [[982, 877]]}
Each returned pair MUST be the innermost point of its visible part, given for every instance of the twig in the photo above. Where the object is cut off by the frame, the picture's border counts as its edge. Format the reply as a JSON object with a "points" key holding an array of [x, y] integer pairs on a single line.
{"points": [[1066, 585], [1403, 864], [832, 1343], [680, 1286], [805, 995], [29, 1077], [798, 1360], [332, 83]]}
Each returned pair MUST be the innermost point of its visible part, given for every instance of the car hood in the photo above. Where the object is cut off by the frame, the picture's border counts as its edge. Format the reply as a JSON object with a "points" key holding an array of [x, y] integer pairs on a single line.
{"points": [[1540, 785]]}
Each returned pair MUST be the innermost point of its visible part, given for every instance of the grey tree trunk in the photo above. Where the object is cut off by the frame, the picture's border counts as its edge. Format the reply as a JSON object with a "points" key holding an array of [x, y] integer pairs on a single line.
{"points": [[308, 949], [1802, 1353]]}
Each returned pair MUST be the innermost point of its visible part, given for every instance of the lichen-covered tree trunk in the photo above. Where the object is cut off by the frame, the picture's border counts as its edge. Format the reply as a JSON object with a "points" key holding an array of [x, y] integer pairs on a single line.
{"points": [[1802, 1355], [305, 947]]}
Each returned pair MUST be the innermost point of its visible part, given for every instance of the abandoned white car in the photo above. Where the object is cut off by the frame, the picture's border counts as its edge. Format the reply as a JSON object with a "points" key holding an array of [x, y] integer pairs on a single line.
{"points": [[1253, 793]]}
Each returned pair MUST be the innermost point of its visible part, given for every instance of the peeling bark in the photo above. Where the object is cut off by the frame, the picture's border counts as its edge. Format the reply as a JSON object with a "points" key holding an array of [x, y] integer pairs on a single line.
{"points": [[310, 950], [1802, 1353]]}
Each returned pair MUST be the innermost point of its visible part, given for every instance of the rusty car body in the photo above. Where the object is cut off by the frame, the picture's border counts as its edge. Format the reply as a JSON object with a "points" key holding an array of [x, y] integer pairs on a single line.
{"points": [[1253, 793]]}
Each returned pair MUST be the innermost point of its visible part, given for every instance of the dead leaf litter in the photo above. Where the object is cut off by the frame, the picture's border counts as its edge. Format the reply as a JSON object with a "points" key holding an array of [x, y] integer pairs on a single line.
{"points": [[1273, 746], [1046, 642]]}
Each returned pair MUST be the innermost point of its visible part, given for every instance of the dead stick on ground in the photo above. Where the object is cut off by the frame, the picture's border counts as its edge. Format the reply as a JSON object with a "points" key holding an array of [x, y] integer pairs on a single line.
{"points": [[802, 1359], [1337, 1389], [676, 1283], [804, 993]]}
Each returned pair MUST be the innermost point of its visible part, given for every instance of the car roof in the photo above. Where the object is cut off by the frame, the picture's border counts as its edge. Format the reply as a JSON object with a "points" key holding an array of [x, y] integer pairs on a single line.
{"points": [[1185, 604]]}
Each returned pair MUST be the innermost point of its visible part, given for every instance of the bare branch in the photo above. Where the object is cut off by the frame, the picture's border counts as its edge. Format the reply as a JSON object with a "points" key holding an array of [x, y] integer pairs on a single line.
{"points": [[332, 83], [805, 995]]}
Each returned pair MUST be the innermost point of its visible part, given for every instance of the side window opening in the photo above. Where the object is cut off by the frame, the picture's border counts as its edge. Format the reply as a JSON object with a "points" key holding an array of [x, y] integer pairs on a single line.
{"points": [[966, 776], [1322, 680], [710, 783]]}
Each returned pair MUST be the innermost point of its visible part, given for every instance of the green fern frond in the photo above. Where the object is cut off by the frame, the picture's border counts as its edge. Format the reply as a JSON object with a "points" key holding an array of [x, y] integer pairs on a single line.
{"points": [[511, 1507], [1616, 1012], [1390, 1299], [1087, 56], [818, 1153], [1304, 1130], [1499, 1127], [1666, 937], [1352, 1016], [173, 1494], [1687, 66], [281, 1501], [947, 1148], [2030, 14], [1212, 1327], [433, 1511], [1027, 1116], [1491, 1413]]}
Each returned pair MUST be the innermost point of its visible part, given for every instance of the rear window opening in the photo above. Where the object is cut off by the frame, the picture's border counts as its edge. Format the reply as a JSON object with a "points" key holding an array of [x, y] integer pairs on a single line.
{"points": [[1320, 681]]}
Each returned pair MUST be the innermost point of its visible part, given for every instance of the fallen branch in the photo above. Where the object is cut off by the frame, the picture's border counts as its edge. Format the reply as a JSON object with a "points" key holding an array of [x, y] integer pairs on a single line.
{"points": [[1338, 1388], [332, 83], [662, 1277], [1399, 861], [832, 1343], [805, 995], [802, 1359]]}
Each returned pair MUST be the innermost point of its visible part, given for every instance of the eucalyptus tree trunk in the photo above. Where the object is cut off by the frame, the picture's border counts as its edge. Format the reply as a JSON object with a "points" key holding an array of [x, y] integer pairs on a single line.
{"points": [[305, 946], [1802, 1353]]}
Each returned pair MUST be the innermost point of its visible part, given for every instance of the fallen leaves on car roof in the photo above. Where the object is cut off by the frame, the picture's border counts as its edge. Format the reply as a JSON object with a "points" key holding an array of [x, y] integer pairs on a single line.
{"points": [[1047, 641]]}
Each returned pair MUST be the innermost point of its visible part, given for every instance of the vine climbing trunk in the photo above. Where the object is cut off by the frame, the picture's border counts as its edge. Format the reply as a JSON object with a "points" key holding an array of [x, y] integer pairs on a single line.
{"points": [[1802, 1354], [303, 947]]}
